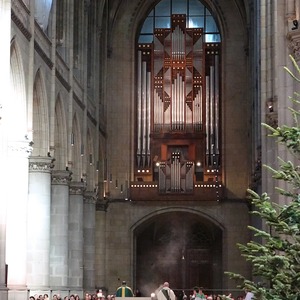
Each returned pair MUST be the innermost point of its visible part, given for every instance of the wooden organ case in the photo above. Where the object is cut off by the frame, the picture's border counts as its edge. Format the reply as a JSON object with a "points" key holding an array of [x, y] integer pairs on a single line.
{"points": [[178, 116]]}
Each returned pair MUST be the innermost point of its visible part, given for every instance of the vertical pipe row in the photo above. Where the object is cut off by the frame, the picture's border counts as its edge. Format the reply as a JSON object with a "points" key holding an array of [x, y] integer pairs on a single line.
{"points": [[177, 101], [217, 103], [207, 128], [200, 108], [178, 174], [172, 175], [211, 121], [139, 108], [144, 111], [148, 112], [158, 111]]}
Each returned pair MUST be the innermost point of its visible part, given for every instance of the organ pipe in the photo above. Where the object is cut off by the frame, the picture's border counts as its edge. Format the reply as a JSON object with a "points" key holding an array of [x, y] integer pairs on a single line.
{"points": [[148, 114], [217, 103], [207, 128], [212, 98], [139, 109], [144, 111]]}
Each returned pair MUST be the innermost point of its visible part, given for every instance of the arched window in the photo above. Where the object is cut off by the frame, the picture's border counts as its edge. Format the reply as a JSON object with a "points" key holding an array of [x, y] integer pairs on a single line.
{"points": [[178, 97], [197, 16]]}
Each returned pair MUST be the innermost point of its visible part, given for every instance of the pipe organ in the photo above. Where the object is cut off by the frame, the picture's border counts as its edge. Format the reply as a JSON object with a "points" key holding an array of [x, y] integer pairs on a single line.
{"points": [[178, 108]]}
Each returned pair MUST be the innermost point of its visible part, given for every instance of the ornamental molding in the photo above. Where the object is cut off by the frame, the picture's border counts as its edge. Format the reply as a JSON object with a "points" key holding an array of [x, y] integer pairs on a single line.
{"points": [[293, 38], [77, 188], [89, 197], [40, 164], [102, 205], [61, 177], [20, 15], [19, 148]]}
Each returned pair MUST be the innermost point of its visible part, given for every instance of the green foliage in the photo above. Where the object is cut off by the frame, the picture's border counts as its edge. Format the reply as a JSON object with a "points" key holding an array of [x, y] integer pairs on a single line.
{"points": [[276, 258]]}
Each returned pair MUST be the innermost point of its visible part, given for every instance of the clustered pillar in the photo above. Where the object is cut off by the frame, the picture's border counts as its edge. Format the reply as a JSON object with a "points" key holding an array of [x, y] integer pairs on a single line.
{"points": [[59, 249]]}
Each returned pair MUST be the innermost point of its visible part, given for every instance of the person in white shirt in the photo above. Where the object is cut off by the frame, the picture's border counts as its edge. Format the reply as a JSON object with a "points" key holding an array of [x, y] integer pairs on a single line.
{"points": [[249, 295]]}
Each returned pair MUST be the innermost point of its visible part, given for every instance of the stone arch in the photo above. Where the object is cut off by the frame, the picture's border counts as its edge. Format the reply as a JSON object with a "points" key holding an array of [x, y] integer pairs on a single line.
{"points": [[177, 238], [40, 117], [17, 106], [142, 9], [90, 162], [61, 141], [78, 150], [101, 170]]}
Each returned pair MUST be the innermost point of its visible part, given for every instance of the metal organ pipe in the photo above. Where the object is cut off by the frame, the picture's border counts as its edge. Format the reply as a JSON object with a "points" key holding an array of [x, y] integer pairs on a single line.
{"points": [[139, 108], [148, 112], [158, 111], [207, 128], [217, 103], [177, 117], [200, 107], [175, 172], [181, 107], [144, 111], [212, 99]]}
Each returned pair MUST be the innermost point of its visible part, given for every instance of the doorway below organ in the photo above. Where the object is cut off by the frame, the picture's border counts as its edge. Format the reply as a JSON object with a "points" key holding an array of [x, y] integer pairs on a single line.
{"points": [[182, 248]]}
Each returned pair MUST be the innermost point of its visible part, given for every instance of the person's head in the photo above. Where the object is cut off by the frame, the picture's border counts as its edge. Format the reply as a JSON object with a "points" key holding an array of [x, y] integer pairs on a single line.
{"points": [[31, 298], [123, 282], [166, 284]]}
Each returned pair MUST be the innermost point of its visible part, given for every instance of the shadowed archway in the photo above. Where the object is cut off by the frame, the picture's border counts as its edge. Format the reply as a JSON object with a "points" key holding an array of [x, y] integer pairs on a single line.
{"points": [[180, 247]]}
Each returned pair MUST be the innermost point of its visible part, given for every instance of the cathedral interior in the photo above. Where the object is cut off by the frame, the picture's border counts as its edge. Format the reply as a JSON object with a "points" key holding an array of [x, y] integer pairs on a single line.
{"points": [[130, 132]]}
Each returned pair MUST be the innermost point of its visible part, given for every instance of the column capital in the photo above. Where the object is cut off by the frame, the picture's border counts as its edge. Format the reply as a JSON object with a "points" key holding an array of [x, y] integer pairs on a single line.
{"points": [[19, 148], [294, 43], [89, 197], [40, 164], [102, 205], [61, 177], [77, 187]]}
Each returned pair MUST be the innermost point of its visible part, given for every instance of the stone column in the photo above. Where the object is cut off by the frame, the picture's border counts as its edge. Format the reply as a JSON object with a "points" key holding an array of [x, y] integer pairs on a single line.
{"points": [[59, 230], [5, 21], [76, 237], [39, 200], [89, 224], [100, 264], [17, 215]]}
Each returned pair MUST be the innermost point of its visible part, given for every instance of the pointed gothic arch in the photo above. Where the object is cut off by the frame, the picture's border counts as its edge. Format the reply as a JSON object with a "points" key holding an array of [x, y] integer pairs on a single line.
{"points": [[18, 139], [90, 162], [78, 150], [17, 104], [179, 245], [40, 116], [60, 136]]}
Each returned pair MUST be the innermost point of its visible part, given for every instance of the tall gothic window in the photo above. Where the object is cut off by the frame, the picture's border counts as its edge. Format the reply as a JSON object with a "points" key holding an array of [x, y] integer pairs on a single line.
{"points": [[178, 97]]}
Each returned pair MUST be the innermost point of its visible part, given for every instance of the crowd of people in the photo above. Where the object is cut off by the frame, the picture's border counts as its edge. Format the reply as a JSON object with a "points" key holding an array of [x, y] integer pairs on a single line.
{"points": [[164, 292]]}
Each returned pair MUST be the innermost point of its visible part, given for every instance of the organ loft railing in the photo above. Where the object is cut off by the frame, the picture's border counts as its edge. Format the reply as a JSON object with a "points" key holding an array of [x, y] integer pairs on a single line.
{"points": [[178, 111]]}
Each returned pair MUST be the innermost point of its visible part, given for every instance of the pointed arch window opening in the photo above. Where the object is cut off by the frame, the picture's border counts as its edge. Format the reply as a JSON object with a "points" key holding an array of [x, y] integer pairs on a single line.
{"points": [[178, 97]]}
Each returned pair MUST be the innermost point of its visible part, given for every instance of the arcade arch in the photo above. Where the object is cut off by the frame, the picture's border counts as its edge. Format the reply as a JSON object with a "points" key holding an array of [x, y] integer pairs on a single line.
{"points": [[181, 246]]}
